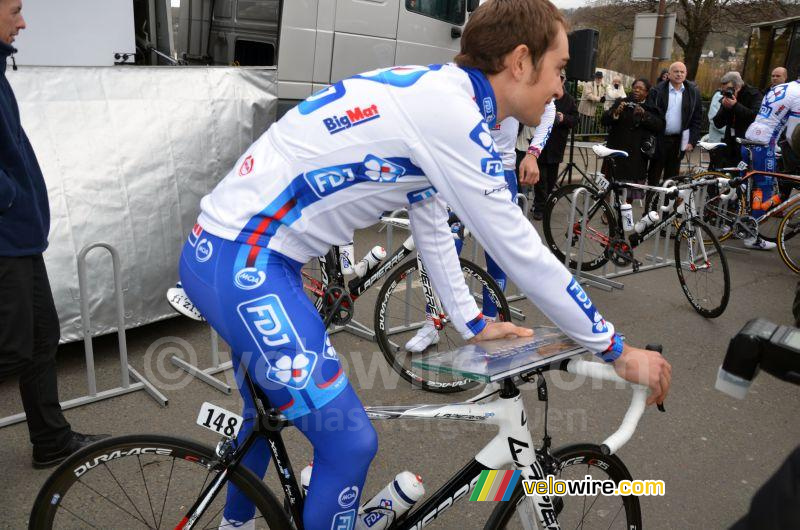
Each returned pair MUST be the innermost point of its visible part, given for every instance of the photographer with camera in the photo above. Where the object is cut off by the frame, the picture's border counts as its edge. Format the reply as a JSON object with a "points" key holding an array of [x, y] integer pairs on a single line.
{"points": [[738, 109], [632, 127]]}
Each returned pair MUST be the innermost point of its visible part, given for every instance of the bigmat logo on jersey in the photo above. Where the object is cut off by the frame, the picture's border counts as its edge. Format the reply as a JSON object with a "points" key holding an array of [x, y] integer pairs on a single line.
{"points": [[351, 118]]}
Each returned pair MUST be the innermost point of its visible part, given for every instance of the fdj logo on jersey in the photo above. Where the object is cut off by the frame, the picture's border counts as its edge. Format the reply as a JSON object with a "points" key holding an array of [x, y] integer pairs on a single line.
{"points": [[582, 299], [373, 169], [351, 118], [273, 332], [773, 96], [492, 165]]}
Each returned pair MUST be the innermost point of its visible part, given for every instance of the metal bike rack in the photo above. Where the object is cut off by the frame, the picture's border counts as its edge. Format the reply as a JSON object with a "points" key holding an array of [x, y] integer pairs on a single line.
{"points": [[586, 278], [205, 375], [127, 371]]}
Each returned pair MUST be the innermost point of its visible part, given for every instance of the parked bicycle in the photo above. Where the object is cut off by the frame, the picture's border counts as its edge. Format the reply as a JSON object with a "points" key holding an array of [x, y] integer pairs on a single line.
{"points": [[729, 211], [155, 481], [601, 230]]}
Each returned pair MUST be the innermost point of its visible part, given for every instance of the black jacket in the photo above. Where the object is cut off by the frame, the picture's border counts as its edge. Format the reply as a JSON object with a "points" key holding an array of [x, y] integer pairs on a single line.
{"points": [[24, 208], [691, 107], [553, 151], [628, 133]]}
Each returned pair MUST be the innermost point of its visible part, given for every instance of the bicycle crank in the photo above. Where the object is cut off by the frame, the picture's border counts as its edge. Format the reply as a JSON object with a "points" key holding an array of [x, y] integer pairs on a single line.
{"points": [[620, 253], [745, 227]]}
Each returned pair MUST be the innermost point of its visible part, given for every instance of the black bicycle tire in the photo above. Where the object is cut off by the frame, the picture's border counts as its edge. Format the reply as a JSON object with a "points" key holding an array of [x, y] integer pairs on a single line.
{"points": [[381, 337], [554, 197], [616, 470], [44, 507], [793, 265], [708, 237]]}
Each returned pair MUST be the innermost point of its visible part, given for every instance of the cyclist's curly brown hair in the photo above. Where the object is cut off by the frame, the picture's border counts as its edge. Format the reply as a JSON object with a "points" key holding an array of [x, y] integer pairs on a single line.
{"points": [[499, 26]]}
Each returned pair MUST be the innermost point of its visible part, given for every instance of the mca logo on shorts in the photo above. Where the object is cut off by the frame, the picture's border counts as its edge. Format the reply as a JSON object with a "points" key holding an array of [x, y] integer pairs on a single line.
{"points": [[203, 250], [577, 293], [249, 278], [270, 328]]}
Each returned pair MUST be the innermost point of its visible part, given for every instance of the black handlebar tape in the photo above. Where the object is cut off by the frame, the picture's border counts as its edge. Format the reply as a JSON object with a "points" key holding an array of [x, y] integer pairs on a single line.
{"points": [[659, 349]]}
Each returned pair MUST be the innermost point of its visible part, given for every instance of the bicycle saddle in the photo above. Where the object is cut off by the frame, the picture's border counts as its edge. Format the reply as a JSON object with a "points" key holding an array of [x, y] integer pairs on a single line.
{"points": [[603, 152], [746, 142], [710, 146]]}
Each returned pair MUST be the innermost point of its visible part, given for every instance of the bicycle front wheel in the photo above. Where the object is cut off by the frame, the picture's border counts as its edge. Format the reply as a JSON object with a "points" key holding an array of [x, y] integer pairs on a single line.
{"points": [[147, 481], [401, 310], [702, 268], [586, 512], [560, 235], [789, 239]]}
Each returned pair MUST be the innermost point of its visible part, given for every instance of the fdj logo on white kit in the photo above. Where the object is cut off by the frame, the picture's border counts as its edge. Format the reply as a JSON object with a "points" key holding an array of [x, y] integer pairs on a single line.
{"points": [[373, 169], [582, 299], [273, 332]]}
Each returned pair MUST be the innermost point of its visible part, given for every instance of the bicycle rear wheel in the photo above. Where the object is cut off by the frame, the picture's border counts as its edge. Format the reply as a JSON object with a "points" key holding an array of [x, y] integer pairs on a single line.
{"points": [[720, 215], [702, 268], [145, 481], [400, 311], [586, 512], [600, 227], [788, 239]]}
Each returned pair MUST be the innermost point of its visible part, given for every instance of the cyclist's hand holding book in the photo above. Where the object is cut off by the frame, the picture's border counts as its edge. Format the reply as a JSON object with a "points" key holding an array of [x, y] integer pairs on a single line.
{"points": [[645, 367], [501, 330]]}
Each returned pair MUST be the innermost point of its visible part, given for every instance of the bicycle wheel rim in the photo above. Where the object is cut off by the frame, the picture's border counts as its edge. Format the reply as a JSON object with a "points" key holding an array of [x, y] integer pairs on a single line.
{"points": [[590, 512], [599, 228], [788, 239], [143, 481], [400, 311], [702, 269]]}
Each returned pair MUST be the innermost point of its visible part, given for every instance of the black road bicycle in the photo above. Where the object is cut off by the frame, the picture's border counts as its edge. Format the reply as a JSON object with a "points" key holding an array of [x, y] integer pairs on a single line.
{"points": [[598, 229], [153, 481]]}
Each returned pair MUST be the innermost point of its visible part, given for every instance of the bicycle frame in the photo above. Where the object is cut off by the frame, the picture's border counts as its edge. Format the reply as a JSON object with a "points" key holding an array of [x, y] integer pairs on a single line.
{"points": [[512, 446]]}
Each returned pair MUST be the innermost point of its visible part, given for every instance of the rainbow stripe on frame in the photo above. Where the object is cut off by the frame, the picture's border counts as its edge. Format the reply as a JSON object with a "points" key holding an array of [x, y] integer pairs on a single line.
{"points": [[495, 485]]}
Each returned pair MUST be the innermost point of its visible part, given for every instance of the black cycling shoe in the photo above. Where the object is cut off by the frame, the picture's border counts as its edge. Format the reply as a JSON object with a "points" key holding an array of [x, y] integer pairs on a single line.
{"points": [[43, 458]]}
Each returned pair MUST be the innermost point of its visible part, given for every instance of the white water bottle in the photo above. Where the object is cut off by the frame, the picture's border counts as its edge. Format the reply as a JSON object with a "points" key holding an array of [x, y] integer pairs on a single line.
{"points": [[398, 496], [627, 217], [347, 256], [305, 478], [645, 221], [369, 261]]}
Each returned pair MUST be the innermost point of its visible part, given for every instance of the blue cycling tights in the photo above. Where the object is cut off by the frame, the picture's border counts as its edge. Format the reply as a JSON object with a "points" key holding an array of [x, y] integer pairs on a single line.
{"points": [[254, 298]]}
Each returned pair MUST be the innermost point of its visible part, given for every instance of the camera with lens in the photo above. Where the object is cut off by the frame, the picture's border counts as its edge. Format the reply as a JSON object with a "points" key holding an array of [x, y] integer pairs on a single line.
{"points": [[630, 104], [728, 93], [648, 144]]}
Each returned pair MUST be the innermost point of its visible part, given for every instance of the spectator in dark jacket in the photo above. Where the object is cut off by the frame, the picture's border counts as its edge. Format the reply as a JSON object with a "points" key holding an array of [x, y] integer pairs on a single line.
{"points": [[677, 102], [553, 152], [631, 123], [29, 327], [739, 107]]}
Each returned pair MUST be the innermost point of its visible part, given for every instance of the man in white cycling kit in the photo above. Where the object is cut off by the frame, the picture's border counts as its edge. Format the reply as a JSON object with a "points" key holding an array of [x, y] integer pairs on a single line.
{"points": [[415, 137]]}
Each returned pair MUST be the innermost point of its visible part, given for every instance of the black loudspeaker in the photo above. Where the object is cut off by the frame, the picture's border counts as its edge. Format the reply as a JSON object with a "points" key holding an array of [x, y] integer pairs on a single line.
{"points": [[582, 54]]}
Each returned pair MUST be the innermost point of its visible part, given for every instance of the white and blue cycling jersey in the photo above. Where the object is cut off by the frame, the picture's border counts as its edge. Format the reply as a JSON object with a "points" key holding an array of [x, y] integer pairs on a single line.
{"points": [[416, 137], [780, 110]]}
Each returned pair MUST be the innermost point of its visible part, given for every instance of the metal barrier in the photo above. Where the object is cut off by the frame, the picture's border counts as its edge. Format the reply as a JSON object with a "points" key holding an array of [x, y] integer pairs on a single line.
{"points": [[127, 371]]}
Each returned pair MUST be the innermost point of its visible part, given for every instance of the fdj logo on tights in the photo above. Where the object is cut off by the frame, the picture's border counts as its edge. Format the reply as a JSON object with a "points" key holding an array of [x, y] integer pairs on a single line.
{"points": [[582, 299], [289, 362], [351, 118]]}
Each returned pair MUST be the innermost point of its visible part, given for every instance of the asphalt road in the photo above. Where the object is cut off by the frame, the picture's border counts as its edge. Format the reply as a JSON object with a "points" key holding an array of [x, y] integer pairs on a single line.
{"points": [[712, 451]]}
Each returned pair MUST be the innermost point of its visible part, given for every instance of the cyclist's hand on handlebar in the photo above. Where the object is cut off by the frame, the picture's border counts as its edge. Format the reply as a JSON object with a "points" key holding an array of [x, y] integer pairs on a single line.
{"points": [[501, 330], [645, 367]]}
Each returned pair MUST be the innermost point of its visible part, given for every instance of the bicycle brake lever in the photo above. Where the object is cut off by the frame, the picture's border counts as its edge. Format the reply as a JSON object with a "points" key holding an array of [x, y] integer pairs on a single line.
{"points": [[659, 349]]}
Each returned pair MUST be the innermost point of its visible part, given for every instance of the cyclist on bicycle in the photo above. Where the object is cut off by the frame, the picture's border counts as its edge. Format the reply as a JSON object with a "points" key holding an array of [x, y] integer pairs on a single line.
{"points": [[415, 137], [780, 111]]}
